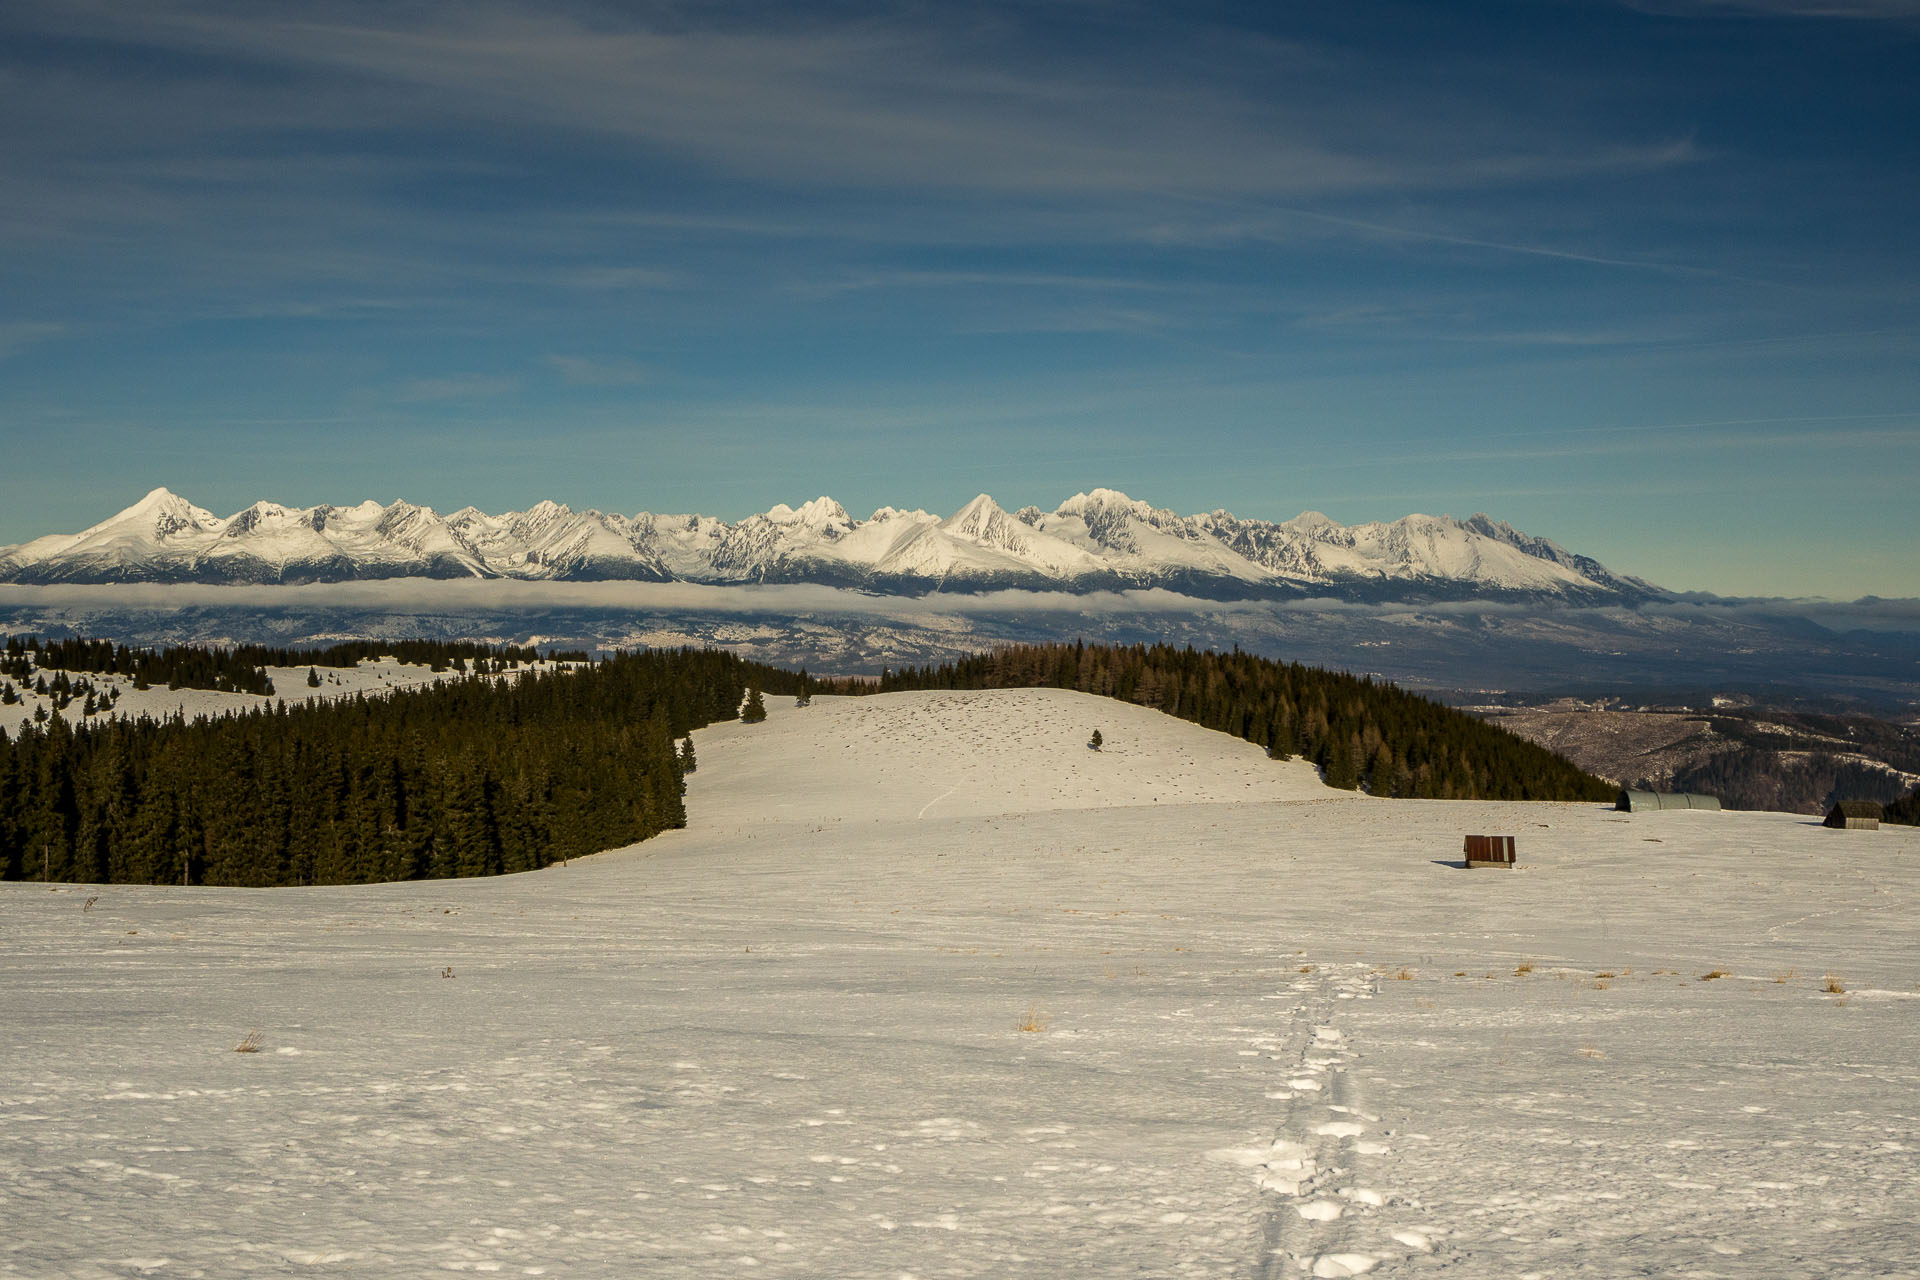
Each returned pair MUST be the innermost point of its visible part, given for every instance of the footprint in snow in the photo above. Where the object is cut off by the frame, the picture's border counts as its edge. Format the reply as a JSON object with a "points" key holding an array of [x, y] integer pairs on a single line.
{"points": [[1340, 1129], [1418, 1241]]}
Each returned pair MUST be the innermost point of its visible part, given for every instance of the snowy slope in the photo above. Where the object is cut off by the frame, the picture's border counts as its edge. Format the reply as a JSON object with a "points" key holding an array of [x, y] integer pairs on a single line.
{"points": [[1100, 540], [1275, 1032]]}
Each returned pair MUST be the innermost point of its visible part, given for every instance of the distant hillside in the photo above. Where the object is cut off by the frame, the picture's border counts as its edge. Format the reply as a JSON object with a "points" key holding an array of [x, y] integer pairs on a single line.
{"points": [[1751, 757]]}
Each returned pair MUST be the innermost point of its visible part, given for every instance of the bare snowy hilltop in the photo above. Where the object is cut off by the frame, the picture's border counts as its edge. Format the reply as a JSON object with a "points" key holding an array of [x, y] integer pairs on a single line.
{"points": [[1097, 541], [928, 988]]}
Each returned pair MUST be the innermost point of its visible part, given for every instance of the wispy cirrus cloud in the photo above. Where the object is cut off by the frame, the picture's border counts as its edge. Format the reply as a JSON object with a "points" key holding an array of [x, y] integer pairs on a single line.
{"points": [[584, 372], [25, 333], [901, 98], [459, 386]]}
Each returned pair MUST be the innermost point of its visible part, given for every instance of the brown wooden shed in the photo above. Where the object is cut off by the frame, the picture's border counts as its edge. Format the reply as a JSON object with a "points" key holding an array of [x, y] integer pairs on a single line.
{"points": [[1489, 851], [1854, 815]]}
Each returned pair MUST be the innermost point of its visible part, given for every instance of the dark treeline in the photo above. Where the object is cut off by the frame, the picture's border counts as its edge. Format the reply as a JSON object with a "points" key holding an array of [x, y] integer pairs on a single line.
{"points": [[467, 777], [1360, 732], [1905, 810], [441, 655], [185, 668], [243, 669]]}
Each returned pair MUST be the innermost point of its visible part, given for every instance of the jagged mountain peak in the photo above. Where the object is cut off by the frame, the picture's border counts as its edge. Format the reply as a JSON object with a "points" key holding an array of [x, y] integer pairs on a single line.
{"points": [[1099, 539], [162, 511], [976, 517], [1100, 499], [820, 513], [883, 514]]}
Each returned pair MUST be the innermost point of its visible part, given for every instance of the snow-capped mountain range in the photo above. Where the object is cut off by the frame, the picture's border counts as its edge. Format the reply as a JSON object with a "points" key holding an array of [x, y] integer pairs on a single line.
{"points": [[1100, 540]]}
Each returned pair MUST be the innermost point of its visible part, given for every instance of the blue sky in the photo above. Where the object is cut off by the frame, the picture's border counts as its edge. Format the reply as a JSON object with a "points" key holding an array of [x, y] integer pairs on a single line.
{"points": [[1638, 277]]}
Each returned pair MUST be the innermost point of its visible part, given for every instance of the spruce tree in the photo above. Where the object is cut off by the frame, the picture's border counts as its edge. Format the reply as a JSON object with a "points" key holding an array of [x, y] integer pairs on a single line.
{"points": [[1095, 741], [313, 678], [755, 709], [1339, 768]]}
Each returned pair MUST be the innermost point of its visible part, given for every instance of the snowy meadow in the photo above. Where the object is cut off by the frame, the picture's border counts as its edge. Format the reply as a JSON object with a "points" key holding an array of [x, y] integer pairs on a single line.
{"points": [[928, 988]]}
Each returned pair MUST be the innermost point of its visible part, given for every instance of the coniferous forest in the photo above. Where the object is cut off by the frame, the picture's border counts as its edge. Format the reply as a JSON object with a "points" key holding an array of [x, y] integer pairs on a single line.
{"points": [[1905, 810], [1359, 731], [243, 669], [467, 777]]}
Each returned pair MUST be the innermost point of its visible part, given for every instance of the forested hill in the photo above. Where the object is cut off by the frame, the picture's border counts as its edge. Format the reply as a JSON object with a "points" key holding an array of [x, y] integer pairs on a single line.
{"points": [[467, 777], [1360, 732], [478, 776]]}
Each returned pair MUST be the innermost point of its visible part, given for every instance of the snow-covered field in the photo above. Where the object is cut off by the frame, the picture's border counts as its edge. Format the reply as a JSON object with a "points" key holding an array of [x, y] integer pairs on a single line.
{"points": [[930, 989]]}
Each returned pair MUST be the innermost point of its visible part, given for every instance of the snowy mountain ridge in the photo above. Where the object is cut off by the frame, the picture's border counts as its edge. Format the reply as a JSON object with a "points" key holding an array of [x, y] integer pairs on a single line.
{"points": [[1098, 540]]}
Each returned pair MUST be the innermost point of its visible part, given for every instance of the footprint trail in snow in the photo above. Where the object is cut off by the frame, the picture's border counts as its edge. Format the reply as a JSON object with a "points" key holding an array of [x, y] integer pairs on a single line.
{"points": [[1321, 1215]]}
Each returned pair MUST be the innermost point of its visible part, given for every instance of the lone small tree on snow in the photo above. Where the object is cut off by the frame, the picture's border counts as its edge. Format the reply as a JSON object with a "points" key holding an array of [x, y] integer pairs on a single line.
{"points": [[313, 678], [1094, 742], [756, 708]]}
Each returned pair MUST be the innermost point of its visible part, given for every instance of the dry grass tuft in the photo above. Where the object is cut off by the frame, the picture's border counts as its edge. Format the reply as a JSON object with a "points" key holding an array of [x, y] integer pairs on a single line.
{"points": [[1834, 987], [1605, 973], [1459, 973], [249, 1044], [1591, 1051], [1405, 975], [1601, 984], [1033, 1021], [1709, 977], [1522, 969], [1306, 968], [1781, 979]]}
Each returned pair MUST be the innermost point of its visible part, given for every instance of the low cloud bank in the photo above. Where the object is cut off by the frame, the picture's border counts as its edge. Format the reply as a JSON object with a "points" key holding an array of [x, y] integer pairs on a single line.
{"points": [[1868, 613], [495, 595]]}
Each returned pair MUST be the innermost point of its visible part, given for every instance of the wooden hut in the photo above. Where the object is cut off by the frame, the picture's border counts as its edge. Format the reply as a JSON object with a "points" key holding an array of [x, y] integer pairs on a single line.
{"points": [[1489, 851], [1648, 801], [1854, 815]]}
